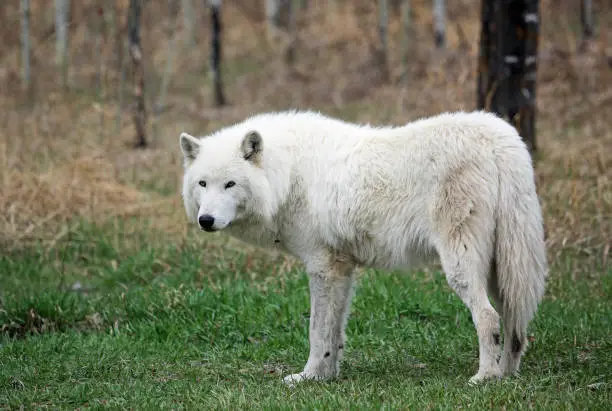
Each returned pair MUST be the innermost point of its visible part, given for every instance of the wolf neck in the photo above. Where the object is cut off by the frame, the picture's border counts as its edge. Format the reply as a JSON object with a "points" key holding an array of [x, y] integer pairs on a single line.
{"points": [[271, 190], [256, 231], [271, 193]]}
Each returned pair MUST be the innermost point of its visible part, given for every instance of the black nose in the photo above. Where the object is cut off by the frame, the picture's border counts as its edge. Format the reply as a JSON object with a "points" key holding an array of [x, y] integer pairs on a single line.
{"points": [[206, 222]]}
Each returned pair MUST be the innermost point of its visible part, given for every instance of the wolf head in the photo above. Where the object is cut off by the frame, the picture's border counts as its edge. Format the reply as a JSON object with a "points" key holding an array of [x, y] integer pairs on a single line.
{"points": [[223, 181]]}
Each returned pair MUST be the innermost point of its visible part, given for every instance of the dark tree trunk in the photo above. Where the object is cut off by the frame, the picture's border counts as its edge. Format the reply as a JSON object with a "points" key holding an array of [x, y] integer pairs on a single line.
{"points": [[439, 13], [586, 16], [405, 39], [62, 9], [382, 55], [588, 26], [139, 111], [25, 43], [292, 29], [215, 57], [508, 63]]}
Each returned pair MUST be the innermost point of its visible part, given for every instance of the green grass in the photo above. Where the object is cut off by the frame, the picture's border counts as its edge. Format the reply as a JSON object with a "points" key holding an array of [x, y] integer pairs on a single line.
{"points": [[196, 325]]}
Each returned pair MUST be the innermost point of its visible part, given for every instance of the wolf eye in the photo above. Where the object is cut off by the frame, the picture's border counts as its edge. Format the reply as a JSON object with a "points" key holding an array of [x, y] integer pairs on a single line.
{"points": [[202, 183], [230, 183]]}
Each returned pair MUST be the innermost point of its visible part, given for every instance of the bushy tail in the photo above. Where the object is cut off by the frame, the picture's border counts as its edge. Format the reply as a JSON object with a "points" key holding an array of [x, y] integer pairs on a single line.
{"points": [[520, 254]]}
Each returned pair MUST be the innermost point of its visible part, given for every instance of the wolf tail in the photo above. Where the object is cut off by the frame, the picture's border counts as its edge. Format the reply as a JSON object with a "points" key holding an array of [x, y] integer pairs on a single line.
{"points": [[520, 254]]}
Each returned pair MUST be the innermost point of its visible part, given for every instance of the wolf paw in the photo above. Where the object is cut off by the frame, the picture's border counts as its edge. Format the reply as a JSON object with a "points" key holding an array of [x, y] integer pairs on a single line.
{"points": [[483, 376], [293, 379]]}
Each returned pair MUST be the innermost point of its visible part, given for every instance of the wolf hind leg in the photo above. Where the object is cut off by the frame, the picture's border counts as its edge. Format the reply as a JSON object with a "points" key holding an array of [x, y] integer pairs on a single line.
{"points": [[467, 267]]}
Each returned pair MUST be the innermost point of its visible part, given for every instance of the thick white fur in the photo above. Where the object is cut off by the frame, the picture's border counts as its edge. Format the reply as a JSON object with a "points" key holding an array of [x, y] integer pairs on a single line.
{"points": [[457, 186]]}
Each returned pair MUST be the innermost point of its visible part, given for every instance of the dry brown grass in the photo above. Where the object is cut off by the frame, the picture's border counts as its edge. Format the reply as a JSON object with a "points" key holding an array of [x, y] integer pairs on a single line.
{"points": [[61, 158]]}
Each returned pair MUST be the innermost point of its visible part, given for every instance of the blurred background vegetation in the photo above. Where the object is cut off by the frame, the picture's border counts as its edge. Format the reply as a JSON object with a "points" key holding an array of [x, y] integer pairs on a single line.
{"points": [[71, 79]]}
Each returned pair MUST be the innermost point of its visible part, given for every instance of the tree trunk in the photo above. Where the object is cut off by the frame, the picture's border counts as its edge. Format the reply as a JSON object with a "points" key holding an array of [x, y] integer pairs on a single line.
{"points": [[189, 22], [439, 13], [99, 43], [272, 8], [292, 29], [383, 32], [171, 54], [121, 88], [405, 10], [508, 63], [25, 42], [139, 110], [278, 18], [383, 23], [586, 17], [215, 58], [120, 52], [62, 10]]}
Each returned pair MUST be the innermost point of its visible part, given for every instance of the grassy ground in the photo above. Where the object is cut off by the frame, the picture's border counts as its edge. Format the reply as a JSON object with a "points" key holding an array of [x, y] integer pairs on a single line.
{"points": [[102, 323]]}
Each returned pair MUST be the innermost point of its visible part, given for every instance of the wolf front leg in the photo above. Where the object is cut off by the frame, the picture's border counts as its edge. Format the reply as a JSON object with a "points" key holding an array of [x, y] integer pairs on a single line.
{"points": [[330, 300]]}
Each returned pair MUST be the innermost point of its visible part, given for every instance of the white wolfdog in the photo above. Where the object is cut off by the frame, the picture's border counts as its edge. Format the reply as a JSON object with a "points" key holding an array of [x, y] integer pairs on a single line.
{"points": [[337, 195]]}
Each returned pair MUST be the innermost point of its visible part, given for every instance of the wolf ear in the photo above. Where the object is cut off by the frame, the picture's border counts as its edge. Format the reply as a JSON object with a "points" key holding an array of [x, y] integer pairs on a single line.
{"points": [[189, 146], [252, 146]]}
